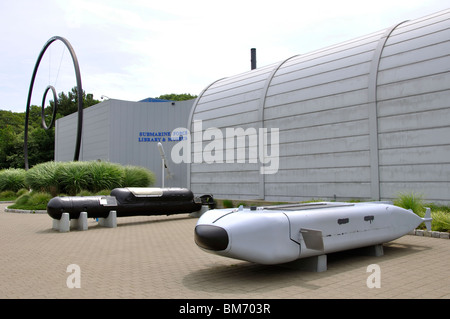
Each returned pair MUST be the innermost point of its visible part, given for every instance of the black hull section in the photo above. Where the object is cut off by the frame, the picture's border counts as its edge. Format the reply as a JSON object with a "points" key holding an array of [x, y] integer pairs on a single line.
{"points": [[129, 202], [171, 201]]}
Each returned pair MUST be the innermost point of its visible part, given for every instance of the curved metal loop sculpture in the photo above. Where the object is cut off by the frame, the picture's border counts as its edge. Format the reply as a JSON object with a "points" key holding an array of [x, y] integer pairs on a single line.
{"points": [[79, 97], [55, 100]]}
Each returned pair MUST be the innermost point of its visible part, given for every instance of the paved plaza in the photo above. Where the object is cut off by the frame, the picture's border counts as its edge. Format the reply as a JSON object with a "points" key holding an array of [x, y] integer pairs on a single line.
{"points": [[156, 257]]}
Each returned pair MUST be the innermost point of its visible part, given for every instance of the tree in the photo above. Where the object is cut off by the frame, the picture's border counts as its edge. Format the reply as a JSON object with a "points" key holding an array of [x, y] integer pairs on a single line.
{"points": [[12, 120], [68, 104], [41, 145], [177, 97], [11, 126], [7, 139]]}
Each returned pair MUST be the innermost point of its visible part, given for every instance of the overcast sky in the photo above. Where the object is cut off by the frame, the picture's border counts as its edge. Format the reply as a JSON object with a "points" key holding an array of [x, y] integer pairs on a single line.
{"points": [[135, 49]]}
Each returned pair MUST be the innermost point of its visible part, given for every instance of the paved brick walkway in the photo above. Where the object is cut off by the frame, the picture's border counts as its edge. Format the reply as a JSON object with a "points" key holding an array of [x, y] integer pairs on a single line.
{"points": [[156, 257]]}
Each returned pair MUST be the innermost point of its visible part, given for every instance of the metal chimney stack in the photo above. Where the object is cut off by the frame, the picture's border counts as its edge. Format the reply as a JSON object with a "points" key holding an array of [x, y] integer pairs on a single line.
{"points": [[253, 58]]}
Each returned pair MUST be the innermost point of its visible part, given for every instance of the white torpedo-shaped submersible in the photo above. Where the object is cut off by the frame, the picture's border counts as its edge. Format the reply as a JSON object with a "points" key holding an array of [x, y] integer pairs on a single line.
{"points": [[284, 233]]}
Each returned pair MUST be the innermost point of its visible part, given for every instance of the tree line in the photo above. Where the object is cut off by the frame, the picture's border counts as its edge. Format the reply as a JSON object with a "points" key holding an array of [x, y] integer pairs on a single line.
{"points": [[41, 142]]}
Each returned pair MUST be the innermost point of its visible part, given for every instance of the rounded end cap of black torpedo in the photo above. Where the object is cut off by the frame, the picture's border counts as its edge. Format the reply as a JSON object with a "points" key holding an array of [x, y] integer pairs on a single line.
{"points": [[55, 207], [211, 237]]}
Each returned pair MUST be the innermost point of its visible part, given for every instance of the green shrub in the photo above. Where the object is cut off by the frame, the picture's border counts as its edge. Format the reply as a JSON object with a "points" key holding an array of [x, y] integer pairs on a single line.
{"points": [[77, 179], [105, 175], [22, 201], [73, 177], [33, 201], [436, 207], [136, 176], [42, 177], [39, 200], [22, 191], [439, 214], [84, 193], [12, 179], [441, 221], [411, 201], [7, 196], [94, 176], [227, 203], [103, 192]]}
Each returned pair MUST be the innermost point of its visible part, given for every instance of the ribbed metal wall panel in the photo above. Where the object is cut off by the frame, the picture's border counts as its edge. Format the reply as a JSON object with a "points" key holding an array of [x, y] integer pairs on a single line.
{"points": [[228, 103], [65, 138], [95, 127], [366, 118], [414, 108]]}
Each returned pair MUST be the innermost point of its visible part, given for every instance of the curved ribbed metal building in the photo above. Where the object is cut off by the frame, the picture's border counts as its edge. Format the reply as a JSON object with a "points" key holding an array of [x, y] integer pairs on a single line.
{"points": [[366, 119]]}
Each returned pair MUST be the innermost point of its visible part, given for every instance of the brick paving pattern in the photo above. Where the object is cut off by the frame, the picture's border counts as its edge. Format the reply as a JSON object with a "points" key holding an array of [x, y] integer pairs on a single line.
{"points": [[156, 257]]}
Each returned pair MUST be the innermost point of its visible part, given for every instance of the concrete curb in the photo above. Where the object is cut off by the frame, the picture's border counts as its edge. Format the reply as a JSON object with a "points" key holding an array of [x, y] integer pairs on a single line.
{"points": [[434, 234], [25, 211], [22, 211]]}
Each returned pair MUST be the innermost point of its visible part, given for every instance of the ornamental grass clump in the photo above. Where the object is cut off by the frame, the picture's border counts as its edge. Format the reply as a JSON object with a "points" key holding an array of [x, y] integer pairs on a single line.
{"points": [[39, 200], [137, 176], [411, 201], [104, 175], [12, 179], [42, 177], [440, 214], [33, 201], [441, 221], [76, 178], [7, 196], [73, 177]]}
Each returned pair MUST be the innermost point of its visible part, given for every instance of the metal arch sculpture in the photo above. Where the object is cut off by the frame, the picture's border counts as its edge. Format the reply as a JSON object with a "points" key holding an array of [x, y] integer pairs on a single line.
{"points": [[79, 96], [55, 100]]}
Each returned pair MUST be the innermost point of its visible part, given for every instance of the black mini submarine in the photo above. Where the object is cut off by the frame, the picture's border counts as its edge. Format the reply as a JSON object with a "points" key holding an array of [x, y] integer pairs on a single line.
{"points": [[130, 202]]}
